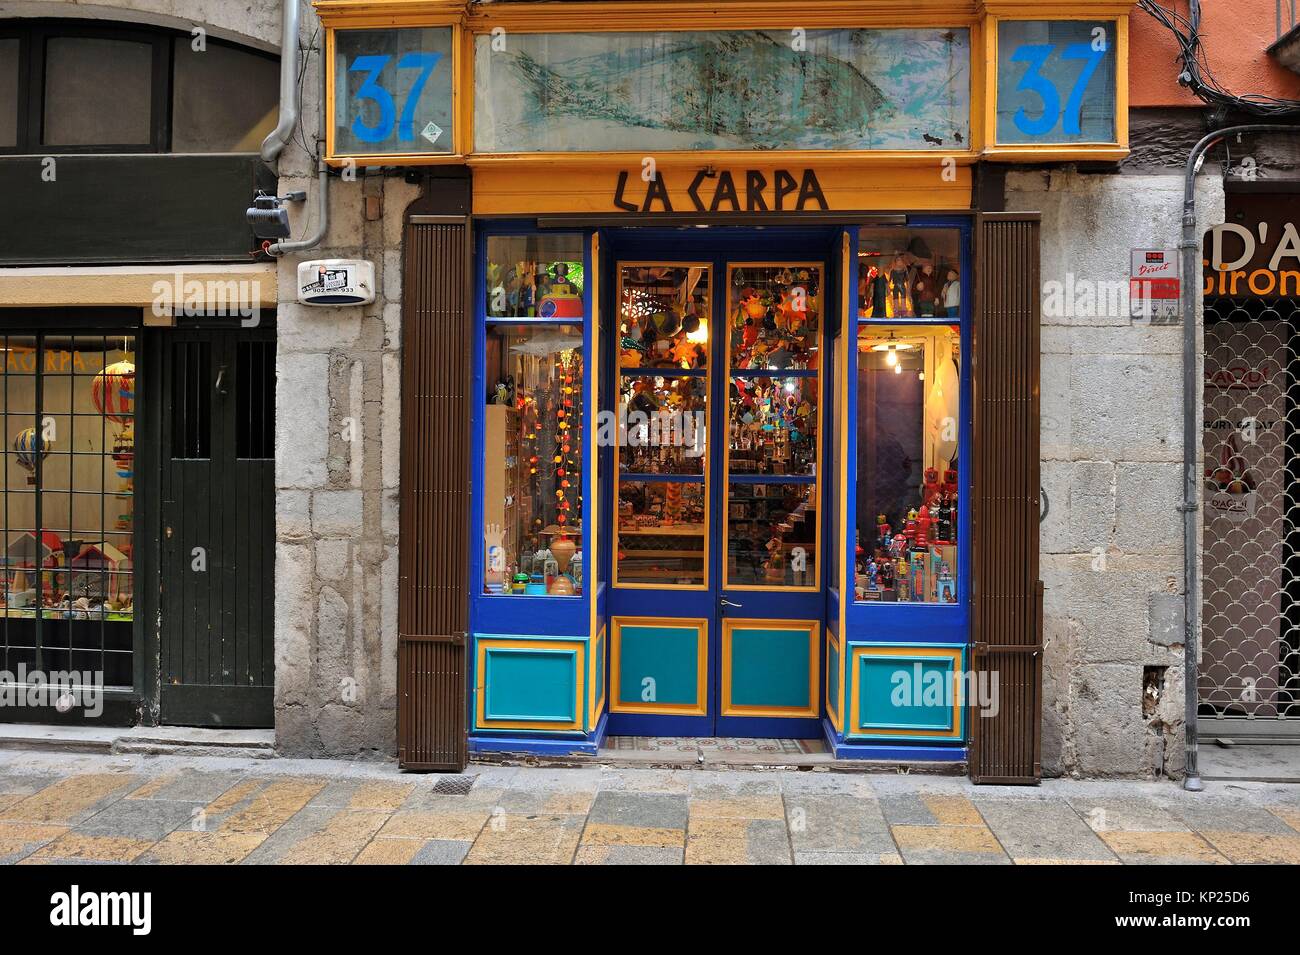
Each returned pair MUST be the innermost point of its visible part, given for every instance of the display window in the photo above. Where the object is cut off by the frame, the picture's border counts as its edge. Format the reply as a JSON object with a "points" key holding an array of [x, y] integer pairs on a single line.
{"points": [[534, 276], [67, 513], [773, 356], [533, 436], [909, 273], [908, 422]]}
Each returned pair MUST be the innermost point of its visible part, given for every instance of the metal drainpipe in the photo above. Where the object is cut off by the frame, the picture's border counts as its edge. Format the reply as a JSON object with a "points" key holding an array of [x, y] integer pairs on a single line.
{"points": [[274, 144], [323, 185], [1192, 386]]}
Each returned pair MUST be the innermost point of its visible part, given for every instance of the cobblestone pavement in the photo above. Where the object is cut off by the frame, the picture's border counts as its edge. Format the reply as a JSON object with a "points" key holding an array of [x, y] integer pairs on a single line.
{"points": [[171, 809]]}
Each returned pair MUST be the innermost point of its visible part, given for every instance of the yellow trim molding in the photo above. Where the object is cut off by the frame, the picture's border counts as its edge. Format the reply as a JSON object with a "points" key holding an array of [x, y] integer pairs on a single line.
{"points": [[727, 708], [701, 628], [857, 651], [580, 674]]}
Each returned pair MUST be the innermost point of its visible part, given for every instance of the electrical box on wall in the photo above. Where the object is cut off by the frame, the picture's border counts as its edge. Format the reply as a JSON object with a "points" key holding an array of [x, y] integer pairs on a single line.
{"points": [[336, 282]]}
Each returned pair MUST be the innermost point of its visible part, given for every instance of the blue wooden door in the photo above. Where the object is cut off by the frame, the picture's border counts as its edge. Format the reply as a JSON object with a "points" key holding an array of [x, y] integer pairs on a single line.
{"points": [[717, 591]]}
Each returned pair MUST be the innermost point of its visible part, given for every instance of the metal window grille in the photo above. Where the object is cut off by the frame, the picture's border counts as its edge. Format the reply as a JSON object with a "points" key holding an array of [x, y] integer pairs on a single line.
{"points": [[1250, 637], [67, 513]]}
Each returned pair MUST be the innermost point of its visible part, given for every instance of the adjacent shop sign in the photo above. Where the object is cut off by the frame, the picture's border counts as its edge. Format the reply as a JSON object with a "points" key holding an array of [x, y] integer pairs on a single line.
{"points": [[1155, 285], [392, 92], [1056, 82], [1257, 253], [711, 190]]}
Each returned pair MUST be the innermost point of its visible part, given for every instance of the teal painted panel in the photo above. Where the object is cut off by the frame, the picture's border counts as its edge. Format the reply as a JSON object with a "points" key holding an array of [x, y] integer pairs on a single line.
{"points": [[667, 656], [529, 684], [769, 668], [897, 692]]}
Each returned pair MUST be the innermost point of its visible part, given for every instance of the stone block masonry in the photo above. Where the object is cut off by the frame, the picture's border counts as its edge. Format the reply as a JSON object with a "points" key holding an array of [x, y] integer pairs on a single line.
{"points": [[1112, 473]]}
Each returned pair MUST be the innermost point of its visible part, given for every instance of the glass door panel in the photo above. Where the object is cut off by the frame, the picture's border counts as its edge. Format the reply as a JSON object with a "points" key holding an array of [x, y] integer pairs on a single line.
{"points": [[662, 491], [773, 425]]}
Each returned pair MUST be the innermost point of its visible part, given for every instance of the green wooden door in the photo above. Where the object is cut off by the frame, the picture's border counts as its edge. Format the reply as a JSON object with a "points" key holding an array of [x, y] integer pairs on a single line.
{"points": [[217, 656]]}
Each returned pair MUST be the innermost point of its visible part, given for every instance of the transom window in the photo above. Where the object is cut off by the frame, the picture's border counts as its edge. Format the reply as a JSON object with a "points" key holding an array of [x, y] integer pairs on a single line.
{"points": [[74, 86]]}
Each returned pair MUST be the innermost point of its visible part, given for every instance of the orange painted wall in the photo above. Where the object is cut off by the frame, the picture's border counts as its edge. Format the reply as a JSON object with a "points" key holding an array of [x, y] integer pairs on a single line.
{"points": [[1235, 35]]}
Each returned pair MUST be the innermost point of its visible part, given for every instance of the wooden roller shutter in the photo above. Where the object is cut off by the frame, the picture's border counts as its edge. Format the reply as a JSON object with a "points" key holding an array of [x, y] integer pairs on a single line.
{"points": [[433, 606], [1005, 748]]}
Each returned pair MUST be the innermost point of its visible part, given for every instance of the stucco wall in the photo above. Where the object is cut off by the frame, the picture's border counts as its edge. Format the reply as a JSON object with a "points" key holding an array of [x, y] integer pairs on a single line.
{"points": [[1112, 471]]}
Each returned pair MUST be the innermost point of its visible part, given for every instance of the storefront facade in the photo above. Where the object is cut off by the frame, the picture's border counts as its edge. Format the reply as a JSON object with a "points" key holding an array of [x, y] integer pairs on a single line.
{"points": [[138, 379], [724, 280], [722, 415]]}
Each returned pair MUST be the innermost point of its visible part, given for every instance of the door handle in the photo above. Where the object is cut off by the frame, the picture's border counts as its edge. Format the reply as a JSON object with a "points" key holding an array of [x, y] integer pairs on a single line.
{"points": [[728, 603], [221, 388]]}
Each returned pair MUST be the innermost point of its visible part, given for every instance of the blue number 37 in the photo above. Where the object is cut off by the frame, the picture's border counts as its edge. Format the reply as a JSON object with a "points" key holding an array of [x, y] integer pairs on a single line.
{"points": [[371, 90], [1036, 56]]}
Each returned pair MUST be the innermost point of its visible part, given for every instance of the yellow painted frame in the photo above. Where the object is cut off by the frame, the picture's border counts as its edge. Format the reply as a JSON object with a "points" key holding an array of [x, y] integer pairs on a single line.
{"points": [[701, 627], [952, 653], [480, 690], [835, 703], [727, 708], [591, 499], [821, 437], [708, 385], [593, 658], [338, 15], [978, 16], [1055, 152]]}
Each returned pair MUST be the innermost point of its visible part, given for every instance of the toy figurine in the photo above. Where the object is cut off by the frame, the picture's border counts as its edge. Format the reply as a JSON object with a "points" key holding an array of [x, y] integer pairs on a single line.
{"points": [[925, 291], [952, 295], [923, 527], [873, 576], [909, 528], [931, 487]]}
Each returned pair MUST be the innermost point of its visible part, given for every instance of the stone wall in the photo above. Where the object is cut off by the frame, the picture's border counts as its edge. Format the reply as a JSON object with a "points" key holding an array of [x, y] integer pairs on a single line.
{"points": [[337, 467], [1112, 472]]}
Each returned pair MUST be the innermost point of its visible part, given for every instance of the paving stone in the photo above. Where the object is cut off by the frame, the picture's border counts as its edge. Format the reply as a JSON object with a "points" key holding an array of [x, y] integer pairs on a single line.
{"points": [[442, 852], [846, 858], [79, 847], [646, 810], [1223, 815], [429, 824], [1042, 829], [1243, 848], [527, 840], [389, 852], [18, 839], [186, 847], [948, 845], [363, 794], [1161, 848], [185, 786], [25, 783], [627, 855], [907, 810], [837, 823], [645, 781], [148, 819], [71, 800], [1109, 814], [732, 841]]}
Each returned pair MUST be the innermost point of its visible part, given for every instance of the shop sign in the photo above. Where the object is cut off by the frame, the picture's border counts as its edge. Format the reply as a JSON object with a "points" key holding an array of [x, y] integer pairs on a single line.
{"points": [[1257, 254], [710, 190], [1154, 285], [392, 92]]}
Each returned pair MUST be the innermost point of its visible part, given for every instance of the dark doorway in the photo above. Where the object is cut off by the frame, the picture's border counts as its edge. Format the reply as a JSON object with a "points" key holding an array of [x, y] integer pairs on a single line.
{"points": [[216, 490]]}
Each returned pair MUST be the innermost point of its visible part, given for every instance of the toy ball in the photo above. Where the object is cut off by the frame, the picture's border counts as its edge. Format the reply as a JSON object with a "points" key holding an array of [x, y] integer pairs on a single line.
{"points": [[113, 391]]}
